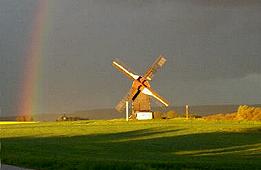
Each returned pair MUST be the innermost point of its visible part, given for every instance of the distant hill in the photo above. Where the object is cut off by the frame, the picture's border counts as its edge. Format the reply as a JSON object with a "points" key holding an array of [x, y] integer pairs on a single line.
{"points": [[99, 114], [113, 114]]}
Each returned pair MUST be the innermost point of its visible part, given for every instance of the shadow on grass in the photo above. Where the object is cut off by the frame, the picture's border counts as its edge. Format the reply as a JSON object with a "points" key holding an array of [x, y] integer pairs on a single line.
{"points": [[140, 149]]}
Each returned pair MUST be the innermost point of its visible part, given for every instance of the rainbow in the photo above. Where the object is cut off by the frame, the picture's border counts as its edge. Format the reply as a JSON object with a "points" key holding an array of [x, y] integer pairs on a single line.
{"points": [[31, 79]]}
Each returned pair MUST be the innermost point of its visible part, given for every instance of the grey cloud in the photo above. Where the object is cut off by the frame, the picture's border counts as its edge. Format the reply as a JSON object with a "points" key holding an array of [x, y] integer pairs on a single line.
{"points": [[209, 41]]}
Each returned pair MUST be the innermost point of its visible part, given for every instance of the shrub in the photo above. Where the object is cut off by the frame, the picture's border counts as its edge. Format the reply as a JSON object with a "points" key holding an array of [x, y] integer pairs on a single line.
{"points": [[243, 113], [248, 113], [171, 114]]}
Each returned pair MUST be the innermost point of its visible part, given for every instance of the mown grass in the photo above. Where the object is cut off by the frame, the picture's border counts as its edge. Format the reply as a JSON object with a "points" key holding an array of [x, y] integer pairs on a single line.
{"points": [[117, 144]]}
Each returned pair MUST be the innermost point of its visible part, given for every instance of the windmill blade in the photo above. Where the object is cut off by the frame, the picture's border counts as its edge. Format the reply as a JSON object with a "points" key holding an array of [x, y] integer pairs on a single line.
{"points": [[122, 103], [159, 62], [125, 71], [151, 92]]}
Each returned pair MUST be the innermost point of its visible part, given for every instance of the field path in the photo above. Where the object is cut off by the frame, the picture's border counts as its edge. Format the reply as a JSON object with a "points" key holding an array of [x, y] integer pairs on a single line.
{"points": [[11, 167]]}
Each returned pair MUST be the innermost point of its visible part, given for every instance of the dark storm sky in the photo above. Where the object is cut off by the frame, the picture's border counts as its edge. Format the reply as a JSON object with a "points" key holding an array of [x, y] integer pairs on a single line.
{"points": [[213, 48]]}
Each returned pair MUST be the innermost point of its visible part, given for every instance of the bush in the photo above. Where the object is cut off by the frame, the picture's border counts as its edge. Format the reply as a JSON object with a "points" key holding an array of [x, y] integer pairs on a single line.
{"points": [[243, 113], [248, 113], [171, 114]]}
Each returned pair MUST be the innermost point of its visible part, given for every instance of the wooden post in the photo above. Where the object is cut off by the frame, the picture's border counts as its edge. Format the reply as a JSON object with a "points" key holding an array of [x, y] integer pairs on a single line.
{"points": [[187, 111], [127, 111]]}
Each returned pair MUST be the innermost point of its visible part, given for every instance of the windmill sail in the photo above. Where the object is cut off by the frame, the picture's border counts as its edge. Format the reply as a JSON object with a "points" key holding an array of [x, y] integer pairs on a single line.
{"points": [[154, 67], [118, 65], [140, 91], [122, 103], [151, 92]]}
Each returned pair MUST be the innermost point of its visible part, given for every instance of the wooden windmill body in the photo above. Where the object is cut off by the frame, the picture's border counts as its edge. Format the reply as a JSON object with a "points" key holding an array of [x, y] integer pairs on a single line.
{"points": [[141, 91]]}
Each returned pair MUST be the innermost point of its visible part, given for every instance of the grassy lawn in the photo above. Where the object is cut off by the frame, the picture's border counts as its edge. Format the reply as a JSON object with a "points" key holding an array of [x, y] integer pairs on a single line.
{"points": [[117, 144]]}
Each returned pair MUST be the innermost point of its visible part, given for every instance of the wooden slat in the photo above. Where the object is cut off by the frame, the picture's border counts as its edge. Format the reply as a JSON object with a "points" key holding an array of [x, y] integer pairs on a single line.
{"points": [[122, 103], [159, 62]]}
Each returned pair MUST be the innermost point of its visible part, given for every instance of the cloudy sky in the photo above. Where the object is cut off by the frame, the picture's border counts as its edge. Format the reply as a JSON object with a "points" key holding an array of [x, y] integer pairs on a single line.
{"points": [[213, 51]]}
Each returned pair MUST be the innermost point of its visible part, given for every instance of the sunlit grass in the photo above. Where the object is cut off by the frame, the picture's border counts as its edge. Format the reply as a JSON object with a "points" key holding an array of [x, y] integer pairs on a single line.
{"points": [[117, 144], [14, 122], [243, 150]]}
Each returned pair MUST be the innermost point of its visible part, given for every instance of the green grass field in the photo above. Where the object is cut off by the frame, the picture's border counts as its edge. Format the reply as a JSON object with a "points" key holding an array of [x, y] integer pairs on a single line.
{"points": [[117, 144]]}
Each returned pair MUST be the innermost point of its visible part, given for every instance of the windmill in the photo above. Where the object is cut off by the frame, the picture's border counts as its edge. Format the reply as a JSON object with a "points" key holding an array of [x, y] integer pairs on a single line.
{"points": [[140, 91]]}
